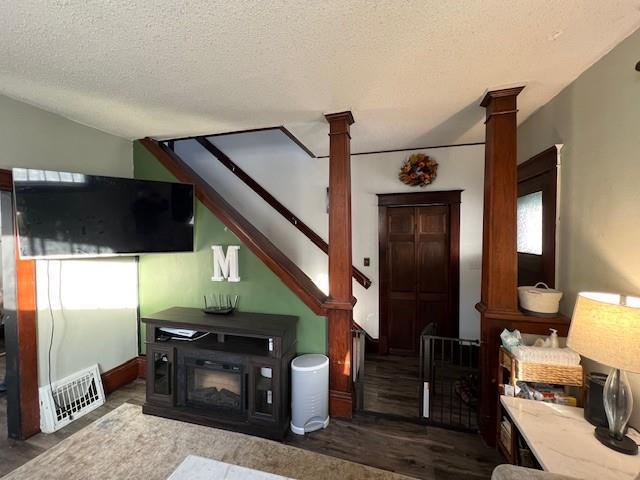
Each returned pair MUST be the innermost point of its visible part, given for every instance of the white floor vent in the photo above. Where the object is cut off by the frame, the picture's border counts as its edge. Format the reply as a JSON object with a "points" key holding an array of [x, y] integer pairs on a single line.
{"points": [[70, 398]]}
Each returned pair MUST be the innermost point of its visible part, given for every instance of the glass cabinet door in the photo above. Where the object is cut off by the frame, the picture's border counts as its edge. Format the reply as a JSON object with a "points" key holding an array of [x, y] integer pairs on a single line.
{"points": [[160, 375], [263, 392]]}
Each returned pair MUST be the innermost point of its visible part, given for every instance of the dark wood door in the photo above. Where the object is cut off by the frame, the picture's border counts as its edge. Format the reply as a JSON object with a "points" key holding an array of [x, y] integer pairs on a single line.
{"points": [[402, 279], [418, 275], [537, 198], [432, 267]]}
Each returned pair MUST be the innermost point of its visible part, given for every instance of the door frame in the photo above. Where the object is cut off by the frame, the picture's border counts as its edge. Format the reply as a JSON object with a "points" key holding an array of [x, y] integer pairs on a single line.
{"points": [[451, 198], [545, 168], [23, 403]]}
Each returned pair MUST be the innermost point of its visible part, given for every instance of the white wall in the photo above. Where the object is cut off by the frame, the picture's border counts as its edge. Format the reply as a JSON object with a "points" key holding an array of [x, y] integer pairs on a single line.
{"points": [[99, 322], [94, 305], [597, 118], [300, 183], [459, 168]]}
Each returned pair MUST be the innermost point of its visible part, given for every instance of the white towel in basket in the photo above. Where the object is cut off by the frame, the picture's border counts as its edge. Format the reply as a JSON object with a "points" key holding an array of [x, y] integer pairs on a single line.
{"points": [[546, 356]]}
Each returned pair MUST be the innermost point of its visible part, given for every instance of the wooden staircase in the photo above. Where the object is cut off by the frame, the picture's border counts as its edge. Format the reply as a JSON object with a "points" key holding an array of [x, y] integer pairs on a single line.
{"points": [[316, 239], [256, 241], [338, 308]]}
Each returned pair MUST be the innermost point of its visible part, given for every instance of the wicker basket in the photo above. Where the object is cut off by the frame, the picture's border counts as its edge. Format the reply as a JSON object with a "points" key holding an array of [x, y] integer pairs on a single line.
{"points": [[536, 299], [540, 373]]}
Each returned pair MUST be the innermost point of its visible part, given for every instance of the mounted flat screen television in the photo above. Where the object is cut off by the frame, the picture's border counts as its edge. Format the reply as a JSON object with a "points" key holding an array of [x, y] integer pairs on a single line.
{"points": [[62, 214]]}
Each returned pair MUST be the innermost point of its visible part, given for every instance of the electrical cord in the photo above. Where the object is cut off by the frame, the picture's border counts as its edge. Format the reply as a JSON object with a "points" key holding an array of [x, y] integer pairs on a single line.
{"points": [[64, 319], [53, 396]]}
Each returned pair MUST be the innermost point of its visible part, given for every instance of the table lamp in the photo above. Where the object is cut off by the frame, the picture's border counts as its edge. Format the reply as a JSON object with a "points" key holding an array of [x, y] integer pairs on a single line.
{"points": [[605, 327]]}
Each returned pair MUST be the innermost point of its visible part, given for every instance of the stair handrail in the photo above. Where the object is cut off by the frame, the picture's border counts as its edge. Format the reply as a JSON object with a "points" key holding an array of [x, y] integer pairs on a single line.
{"points": [[316, 239], [256, 241]]}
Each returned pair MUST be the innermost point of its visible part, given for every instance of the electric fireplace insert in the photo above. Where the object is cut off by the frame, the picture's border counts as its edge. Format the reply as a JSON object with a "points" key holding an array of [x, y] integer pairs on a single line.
{"points": [[233, 375]]}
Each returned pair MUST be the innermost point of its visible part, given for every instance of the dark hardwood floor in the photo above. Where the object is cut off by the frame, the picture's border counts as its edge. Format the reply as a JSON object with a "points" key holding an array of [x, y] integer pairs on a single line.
{"points": [[402, 447], [391, 385], [14, 453]]}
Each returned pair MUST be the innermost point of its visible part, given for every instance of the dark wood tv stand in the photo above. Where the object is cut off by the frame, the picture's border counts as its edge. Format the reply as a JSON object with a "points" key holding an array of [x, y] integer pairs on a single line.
{"points": [[234, 377]]}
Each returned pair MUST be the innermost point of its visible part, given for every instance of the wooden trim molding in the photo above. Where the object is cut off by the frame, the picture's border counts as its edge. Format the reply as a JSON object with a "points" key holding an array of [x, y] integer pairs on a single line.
{"points": [[23, 402], [419, 198], [307, 150], [412, 149], [6, 180], [540, 174], [543, 162], [282, 128], [124, 374], [121, 375], [509, 93], [292, 276], [142, 366], [341, 120], [316, 239], [27, 346]]}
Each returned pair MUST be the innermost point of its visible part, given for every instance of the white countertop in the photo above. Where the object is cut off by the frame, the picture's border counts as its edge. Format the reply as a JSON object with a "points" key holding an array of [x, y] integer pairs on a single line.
{"points": [[563, 442]]}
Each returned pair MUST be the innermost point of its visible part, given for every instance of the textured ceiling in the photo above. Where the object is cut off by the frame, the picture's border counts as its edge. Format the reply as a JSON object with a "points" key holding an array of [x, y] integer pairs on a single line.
{"points": [[412, 72]]}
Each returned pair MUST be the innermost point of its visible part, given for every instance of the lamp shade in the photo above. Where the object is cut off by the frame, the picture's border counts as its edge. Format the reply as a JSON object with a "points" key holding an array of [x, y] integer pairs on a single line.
{"points": [[605, 327]]}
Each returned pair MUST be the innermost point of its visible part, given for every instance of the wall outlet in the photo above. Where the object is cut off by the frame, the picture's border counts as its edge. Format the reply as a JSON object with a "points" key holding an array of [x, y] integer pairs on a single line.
{"points": [[367, 261]]}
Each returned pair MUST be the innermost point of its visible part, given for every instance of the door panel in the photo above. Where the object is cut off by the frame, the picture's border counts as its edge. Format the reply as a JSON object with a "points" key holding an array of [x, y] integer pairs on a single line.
{"points": [[401, 221], [433, 269], [433, 263], [417, 287], [433, 220], [402, 319], [402, 268]]}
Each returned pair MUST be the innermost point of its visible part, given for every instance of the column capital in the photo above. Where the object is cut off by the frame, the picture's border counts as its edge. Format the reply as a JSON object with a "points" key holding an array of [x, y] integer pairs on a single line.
{"points": [[504, 92], [340, 116]]}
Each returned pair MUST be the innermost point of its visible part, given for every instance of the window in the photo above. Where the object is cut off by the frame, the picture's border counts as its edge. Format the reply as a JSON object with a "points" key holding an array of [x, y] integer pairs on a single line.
{"points": [[530, 223]]}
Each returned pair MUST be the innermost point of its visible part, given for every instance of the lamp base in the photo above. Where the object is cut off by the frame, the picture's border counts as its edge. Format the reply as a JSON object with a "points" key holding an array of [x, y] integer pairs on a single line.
{"points": [[626, 445]]}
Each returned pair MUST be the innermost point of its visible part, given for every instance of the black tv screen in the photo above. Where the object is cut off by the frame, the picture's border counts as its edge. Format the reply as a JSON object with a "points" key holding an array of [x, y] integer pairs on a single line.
{"points": [[62, 214]]}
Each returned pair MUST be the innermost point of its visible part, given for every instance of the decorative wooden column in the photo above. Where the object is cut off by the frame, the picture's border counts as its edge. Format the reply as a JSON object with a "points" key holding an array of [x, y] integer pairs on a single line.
{"points": [[499, 294], [499, 257], [499, 304], [340, 306]]}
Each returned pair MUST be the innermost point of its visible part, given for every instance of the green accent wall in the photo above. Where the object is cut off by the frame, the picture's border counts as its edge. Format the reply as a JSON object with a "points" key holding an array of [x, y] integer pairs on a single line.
{"points": [[182, 279]]}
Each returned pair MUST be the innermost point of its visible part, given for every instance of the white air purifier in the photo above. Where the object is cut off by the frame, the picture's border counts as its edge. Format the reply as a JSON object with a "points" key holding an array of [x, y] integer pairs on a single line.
{"points": [[309, 393]]}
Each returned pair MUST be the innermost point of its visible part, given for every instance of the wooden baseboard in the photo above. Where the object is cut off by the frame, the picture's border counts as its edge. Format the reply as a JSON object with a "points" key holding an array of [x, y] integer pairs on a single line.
{"points": [[340, 404], [142, 366], [383, 345], [121, 375], [371, 345]]}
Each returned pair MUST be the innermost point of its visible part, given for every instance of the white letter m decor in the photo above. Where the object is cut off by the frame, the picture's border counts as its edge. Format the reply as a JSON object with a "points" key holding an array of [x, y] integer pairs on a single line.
{"points": [[225, 266]]}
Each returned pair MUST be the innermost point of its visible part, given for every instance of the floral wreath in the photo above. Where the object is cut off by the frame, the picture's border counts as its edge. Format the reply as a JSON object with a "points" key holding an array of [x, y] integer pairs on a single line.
{"points": [[418, 170]]}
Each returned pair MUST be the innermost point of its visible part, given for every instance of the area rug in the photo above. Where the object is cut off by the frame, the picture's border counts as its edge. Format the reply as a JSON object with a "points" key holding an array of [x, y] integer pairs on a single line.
{"points": [[126, 444]]}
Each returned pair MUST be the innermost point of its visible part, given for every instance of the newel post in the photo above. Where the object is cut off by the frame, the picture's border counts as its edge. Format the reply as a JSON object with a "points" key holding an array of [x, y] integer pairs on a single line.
{"points": [[340, 306]]}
